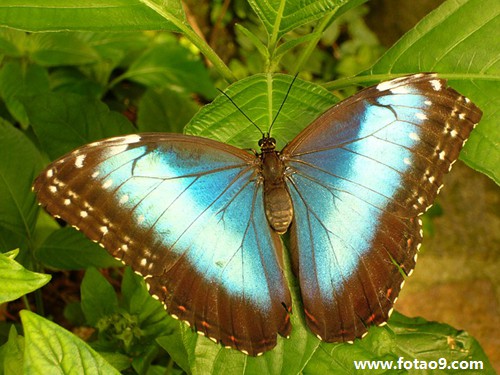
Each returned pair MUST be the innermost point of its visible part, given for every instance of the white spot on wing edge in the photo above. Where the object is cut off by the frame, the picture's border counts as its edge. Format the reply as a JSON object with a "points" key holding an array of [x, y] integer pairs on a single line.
{"points": [[414, 136], [49, 173], [131, 138], [389, 313], [107, 184], [400, 90], [396, 85], [115, 150], [79, 160], [388, 85], [421, 116], [94, 144], [436, 84]]}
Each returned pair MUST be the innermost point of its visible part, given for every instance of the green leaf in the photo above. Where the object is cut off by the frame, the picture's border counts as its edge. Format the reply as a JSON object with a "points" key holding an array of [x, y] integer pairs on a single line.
{"points": [[482, 151], [459, 40], [20, 162], [69, 249], [172, 65], [130, 328], [50, 349], [13, 353], [259, 97], [74, 314], [282, 16], [90, 15], [449, 39], [254, 39], [171, 10], [15, 280], [153, 319], [176, 350], [65, 121], [117, 360], [12, 42], [97, 53], [407, 338], [53, 49], [164, 110], [18, 79], [98, 297], [292, 43]]}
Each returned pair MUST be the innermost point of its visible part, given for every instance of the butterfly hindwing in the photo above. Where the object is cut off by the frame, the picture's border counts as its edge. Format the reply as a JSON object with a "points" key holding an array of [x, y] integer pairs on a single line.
{"points": [[187, 214], [359, 177]]}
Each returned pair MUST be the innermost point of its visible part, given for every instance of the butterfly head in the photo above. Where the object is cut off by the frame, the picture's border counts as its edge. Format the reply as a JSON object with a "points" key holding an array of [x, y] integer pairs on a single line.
{"points": [[267, 143]]}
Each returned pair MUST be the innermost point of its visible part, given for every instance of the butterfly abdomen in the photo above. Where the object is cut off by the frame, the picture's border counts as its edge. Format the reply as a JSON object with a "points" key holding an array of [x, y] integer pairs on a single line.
{"points": [[277, 200], [278, 205]]}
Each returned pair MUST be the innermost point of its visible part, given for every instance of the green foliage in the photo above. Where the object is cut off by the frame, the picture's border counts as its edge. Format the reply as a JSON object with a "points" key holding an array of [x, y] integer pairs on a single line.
{"points": [[52, 349], [16, 280], [110, 67], [68, 249]]}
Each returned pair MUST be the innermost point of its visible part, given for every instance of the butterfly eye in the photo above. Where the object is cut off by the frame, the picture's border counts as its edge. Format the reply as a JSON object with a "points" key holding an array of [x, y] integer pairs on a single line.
{"points": [[267, 143]]}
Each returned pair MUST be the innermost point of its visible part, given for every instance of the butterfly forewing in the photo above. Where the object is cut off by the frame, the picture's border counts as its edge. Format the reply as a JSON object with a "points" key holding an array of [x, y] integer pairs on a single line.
{"points": [[187, 214], [359, 177]]}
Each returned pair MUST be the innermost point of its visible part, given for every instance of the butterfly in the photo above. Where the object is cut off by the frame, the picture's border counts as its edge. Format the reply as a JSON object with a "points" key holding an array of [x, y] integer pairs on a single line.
{"points": [[201, 220]]}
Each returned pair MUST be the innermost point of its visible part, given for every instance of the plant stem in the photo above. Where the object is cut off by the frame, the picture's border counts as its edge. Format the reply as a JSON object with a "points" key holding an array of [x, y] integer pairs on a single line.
{"points": [[304, 57], [194, 38], [273, 40]]}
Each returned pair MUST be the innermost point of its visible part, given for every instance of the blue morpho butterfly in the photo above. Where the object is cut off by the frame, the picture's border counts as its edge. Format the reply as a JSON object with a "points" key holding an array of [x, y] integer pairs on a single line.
{"points": [[201, 219]]}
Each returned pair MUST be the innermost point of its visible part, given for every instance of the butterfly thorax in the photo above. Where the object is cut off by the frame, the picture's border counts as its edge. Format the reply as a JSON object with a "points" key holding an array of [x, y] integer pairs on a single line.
{"points": [[277, 200]]}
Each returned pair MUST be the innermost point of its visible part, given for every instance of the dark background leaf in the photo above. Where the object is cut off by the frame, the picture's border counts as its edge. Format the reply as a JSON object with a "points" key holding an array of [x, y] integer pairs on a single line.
{"points": [[68, 249], [63, 122]]}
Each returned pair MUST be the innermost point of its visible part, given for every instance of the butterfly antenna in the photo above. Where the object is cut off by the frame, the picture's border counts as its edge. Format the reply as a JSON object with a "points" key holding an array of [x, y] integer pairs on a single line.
{"points": [[282, 103], [239, 109]]}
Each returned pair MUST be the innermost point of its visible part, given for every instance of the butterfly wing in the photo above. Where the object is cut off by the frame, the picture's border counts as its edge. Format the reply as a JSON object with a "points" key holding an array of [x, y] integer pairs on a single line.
{"points": [[359, 177], [187, 214]]}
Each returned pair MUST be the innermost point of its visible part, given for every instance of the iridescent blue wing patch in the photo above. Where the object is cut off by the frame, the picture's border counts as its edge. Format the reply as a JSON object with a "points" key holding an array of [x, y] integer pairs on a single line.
{"points": [[187, 214], [359, 177]]}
